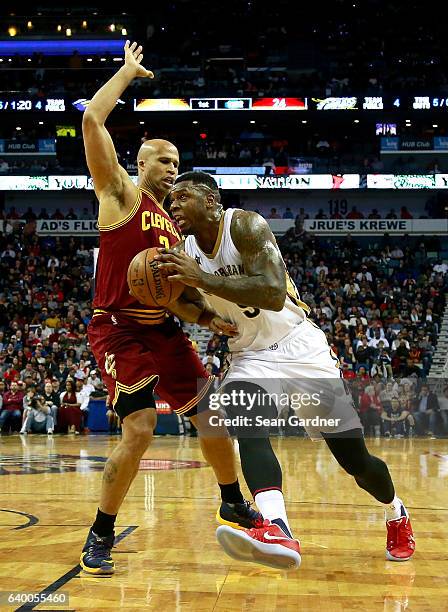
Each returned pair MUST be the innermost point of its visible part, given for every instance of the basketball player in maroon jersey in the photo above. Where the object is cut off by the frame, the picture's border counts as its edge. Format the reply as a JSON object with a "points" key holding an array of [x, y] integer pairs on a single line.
{"points": [[138, 347]]}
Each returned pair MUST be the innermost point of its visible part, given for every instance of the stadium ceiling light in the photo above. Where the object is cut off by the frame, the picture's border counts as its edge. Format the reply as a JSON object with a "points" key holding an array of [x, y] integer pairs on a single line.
{"points": [[252, 121], [142, 122], [103, 59], [1, 59], [89, 59], [112, 27], [124, 32], [117, 59], [434, 125], [59, 28], [29, 25], [195, 122], [29, 59], [84, 24], [304, 121], [12, 30], [18, 128], [41, 122], [356, 121], [68, 32]]}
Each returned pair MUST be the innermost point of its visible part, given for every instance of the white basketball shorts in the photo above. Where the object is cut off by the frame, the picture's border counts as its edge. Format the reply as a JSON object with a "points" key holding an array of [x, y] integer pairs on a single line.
{"points": [[302, 368]]}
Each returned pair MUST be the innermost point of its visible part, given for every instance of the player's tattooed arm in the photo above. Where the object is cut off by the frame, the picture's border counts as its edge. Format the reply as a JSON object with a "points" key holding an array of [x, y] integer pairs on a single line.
{"points": [[263, 284]]}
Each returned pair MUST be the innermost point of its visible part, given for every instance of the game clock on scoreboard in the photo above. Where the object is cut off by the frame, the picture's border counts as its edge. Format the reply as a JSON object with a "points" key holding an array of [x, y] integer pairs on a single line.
{"points": [[32, 104]]}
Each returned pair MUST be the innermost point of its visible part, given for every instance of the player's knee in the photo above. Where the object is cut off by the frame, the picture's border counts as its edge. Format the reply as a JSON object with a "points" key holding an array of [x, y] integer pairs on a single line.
{"points": [[138, 429], [139, 440], [355, 464], [362, 464]]}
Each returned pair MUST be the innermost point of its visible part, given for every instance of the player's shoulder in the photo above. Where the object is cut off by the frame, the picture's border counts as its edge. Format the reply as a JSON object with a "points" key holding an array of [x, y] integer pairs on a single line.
{"points": [[247, 223], [150, 198]]}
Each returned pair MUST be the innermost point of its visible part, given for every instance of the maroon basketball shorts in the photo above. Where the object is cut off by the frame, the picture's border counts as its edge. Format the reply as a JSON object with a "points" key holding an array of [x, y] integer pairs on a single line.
{"points": [[135, 358]]}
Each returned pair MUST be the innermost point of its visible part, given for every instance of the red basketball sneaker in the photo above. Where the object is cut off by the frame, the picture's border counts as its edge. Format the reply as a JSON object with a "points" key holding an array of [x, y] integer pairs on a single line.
{"points": [[268, 545], [400, 539]]}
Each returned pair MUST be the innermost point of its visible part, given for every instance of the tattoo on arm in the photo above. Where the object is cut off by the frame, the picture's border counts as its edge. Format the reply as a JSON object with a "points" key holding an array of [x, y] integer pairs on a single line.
{"points": [[263, 284]]}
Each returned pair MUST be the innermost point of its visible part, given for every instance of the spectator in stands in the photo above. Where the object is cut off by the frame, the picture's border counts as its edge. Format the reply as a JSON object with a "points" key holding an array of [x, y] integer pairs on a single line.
{"points": [[321, 271], [11, 411], [52, 400], [69, 415], [355, 214], [288, 214], [440, 267], [57, 215], [370, 410], [71, 215], [443, 405], [84, 390], [364, 275], [43, 214], [396, 253], [404, 213], [426, 411], [396, 420], [364, 352], [38, 419], [212, 359]]}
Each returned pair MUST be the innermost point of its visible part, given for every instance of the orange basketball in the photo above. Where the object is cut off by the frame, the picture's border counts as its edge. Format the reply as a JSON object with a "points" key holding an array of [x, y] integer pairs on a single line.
{"points": [[148, 284]]}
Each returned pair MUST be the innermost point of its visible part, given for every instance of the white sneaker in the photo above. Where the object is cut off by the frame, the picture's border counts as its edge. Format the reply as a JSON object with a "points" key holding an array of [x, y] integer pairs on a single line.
{"points": [[50, 432], [23, 432]]}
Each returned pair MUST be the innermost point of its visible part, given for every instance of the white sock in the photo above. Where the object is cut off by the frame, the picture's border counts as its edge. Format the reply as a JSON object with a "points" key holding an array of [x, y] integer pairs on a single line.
{"points": [[395, 509], [272, 506]]}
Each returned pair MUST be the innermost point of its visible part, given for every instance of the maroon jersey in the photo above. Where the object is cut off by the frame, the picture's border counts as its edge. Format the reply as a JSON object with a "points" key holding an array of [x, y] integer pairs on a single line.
{"points": [[146, 225]]}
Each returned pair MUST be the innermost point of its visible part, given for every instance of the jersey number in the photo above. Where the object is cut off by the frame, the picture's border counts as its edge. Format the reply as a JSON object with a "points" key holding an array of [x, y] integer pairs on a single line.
{"points": [[249, 311], [164, 242]]}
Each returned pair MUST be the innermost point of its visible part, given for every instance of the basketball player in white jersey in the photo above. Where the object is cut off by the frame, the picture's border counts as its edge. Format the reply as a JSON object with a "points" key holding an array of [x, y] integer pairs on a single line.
{"points": [[233, 259]]}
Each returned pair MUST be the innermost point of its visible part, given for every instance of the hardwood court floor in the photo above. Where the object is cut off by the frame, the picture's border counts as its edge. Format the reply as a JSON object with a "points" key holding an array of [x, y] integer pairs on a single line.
{"points": [[168, 558]]}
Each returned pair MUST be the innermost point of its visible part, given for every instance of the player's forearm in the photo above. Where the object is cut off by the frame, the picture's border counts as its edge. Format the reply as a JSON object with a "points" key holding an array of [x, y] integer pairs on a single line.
{"points": [[255, 291], [105, 99], [192, 311]]}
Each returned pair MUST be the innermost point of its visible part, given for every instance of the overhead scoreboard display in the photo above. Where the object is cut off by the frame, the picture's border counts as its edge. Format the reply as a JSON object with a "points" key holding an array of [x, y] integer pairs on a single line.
{"points": [[217, 104], [27, 103]]}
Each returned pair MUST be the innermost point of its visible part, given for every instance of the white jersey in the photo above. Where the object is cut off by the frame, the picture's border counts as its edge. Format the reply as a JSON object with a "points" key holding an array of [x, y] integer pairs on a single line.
{"points": [[258, 328]]}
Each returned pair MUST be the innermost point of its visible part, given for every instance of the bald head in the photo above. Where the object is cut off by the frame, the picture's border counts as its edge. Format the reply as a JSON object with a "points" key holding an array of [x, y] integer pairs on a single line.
{"points": [[158, 164], [156, 146]]}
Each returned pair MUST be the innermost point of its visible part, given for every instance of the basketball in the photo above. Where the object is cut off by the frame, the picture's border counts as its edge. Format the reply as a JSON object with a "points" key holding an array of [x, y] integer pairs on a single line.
{"points": [[148, 284]]}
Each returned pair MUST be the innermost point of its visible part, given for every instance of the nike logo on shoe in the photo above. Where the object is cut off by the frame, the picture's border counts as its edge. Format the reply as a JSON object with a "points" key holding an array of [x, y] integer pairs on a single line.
{"points": [[268, 536]]}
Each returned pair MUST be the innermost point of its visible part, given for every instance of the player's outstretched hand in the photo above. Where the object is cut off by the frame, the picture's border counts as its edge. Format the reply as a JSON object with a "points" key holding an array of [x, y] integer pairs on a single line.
{"points": [[223, 328], [133, 57]]}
